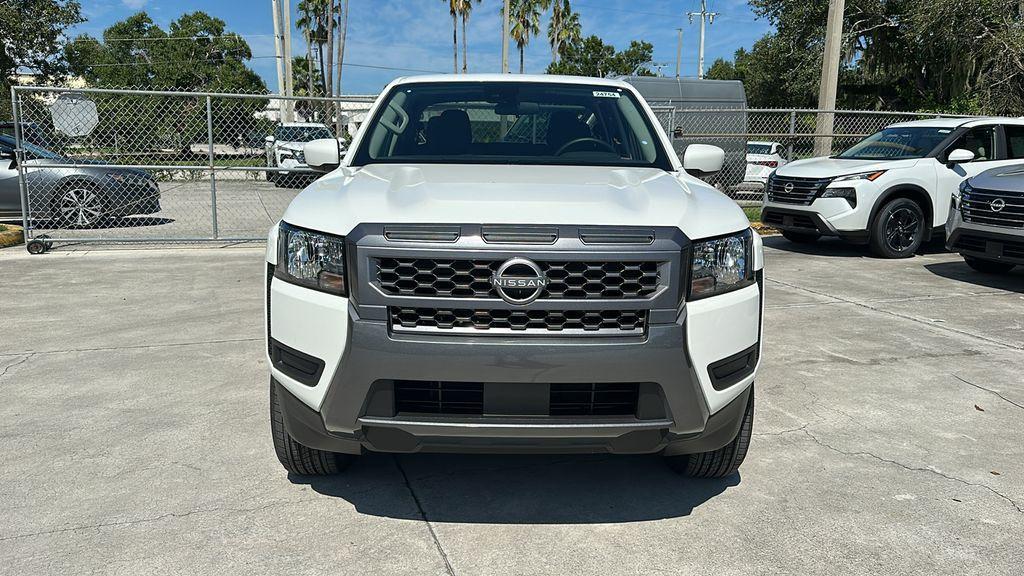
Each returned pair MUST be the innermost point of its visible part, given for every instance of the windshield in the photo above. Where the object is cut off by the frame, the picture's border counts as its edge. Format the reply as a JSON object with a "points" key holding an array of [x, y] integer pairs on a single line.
{"points": [[31, 151], [897, 143], [301, 133], [759, 148], [511, 123]]}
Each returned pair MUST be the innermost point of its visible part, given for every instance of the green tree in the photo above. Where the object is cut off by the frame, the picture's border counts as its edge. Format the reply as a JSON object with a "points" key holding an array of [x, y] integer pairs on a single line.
{"points": [[30, 37], [463, 8], [524, 16], [592, 57], [563, 28]]}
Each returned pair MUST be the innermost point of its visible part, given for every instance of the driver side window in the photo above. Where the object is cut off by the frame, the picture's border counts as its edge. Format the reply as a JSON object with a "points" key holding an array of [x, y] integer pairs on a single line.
{"points": [[980, 140]]}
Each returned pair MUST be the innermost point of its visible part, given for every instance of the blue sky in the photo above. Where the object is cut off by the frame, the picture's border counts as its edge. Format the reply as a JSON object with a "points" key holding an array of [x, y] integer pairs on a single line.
{"points": [[417, 33]]}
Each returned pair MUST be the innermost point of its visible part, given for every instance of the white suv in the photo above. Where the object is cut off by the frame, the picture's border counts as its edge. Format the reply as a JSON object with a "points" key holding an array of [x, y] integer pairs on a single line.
{"points": [[513, 263], [892, 190]]}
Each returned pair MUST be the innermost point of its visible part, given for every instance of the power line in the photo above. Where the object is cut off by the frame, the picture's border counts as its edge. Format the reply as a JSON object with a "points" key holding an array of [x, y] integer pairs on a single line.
{"points": [[212, 60]]}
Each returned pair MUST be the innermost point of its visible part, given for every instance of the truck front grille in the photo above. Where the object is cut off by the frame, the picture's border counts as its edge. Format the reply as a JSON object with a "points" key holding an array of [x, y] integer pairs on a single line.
{"points": [[602, 399], [790, 190], [993, 207], [553, 322], [433, 397], [467, 398], [584, 280]]}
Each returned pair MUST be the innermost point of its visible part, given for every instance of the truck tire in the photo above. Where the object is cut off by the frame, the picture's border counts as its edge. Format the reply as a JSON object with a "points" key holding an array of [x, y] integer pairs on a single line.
{"points": [[898, 229], [801, 237], [722, 462], [988, 266], [296, 458]]}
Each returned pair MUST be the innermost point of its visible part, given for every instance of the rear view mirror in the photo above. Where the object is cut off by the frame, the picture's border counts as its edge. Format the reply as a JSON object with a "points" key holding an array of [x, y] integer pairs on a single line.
{"points": [[960, 156], [703, 159], [322, 155]]}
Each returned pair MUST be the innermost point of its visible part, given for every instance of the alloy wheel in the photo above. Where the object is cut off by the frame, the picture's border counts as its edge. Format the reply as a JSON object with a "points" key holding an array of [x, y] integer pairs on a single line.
{"points": [[902, 228], [81, 207]]}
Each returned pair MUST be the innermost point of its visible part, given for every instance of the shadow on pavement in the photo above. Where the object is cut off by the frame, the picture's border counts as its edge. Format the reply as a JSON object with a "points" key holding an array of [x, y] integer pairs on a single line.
{"points": [[823, 247], [1012, 281], [518, 489]]}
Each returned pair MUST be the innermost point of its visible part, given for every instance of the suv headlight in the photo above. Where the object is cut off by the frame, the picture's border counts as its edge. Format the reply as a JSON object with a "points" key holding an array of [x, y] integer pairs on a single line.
{"points": [[721, 265], [311, 259], [871, 176]]}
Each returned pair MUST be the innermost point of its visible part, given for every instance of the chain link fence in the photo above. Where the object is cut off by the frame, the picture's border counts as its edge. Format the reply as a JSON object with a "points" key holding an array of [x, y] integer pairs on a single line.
{"points": [[99, 165]]}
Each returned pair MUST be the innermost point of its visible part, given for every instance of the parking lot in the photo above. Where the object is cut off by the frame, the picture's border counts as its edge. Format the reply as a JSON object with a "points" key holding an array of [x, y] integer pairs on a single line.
{"points": [[135, 435]]}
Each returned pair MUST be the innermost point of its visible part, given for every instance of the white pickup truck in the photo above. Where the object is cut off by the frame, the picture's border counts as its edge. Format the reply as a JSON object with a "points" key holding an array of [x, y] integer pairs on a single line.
{"points": [[512, 264]]}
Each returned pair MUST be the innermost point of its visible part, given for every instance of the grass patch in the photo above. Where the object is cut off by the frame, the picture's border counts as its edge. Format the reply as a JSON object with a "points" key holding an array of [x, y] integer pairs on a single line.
{"points": [[753, 213], [3, 228]]}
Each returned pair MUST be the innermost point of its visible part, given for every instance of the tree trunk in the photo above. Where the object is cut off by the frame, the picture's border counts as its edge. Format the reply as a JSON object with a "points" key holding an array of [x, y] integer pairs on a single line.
{"points": [[330, 48], [309, 65], [465, 47], [341, 61], [455, 43]]}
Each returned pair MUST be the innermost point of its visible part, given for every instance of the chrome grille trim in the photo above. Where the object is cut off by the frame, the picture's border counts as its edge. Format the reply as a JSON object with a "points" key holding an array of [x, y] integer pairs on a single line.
{"points": [[976, 207], [803, 192]]}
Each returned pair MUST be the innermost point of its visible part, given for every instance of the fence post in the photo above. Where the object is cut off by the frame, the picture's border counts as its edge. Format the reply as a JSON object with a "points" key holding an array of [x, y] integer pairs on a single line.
{"points": [[792, 135], [19, 159], [213, 172]]}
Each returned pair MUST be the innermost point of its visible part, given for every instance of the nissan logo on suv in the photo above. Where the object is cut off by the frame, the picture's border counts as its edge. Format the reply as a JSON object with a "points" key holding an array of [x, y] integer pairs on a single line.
{"points": [[519, 281]]}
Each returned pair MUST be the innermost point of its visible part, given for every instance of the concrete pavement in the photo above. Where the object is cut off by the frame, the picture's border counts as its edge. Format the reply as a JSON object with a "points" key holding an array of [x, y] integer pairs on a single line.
{"points": [[135, 436]]}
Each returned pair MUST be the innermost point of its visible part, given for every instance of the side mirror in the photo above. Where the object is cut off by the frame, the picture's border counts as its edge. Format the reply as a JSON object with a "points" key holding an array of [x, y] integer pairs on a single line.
{"points": [[703, 159], [959, 156], [322, 155], [269, 139]]}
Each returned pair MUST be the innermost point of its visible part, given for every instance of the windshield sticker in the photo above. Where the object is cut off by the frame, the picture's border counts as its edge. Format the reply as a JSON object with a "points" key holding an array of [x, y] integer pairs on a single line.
{"points": [[944, 131], [601, 94]]}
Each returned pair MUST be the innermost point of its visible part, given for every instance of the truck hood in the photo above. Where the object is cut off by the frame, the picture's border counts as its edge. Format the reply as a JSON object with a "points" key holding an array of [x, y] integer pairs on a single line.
{"points": [[503, 194], [832, 167]]}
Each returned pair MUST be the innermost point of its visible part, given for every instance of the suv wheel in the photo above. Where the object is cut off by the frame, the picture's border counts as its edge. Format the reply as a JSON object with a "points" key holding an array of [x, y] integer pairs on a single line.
{"points": [[801, 237], [722, 462], [295, 457], [898, 229], [988, 266]]}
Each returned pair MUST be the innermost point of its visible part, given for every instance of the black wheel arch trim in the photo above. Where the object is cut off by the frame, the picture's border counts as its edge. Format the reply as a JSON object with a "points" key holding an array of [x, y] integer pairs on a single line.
{"points": [[897, 191]]}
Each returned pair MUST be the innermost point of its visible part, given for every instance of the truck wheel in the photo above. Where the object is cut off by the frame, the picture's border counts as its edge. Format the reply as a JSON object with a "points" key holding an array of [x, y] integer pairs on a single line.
{"points": [[898, 229], [801, 237], [988, 266], [722, 462], [296, 458]]}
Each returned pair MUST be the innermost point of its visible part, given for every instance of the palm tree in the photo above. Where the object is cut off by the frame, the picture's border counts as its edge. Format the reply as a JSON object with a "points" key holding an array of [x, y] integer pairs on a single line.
{"points": [[563, 29], [453, 9], [525, 20], [463, 8], [307, 22]]}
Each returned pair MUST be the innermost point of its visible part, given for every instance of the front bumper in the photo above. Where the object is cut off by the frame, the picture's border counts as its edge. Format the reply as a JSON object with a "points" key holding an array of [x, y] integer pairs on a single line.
{"points": [[808, 222], [985, 242], [346, 400]]}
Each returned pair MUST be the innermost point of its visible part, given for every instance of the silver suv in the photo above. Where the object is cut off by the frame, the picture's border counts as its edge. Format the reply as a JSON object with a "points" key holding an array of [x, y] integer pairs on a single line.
{"points": [[986, 220]]}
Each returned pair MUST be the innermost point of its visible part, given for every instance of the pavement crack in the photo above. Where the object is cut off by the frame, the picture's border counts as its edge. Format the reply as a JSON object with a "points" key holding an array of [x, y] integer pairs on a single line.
{"points": [[423, 515], [868, 306], [782, 432], [1019, 506], [18, 362], [989, 390]]}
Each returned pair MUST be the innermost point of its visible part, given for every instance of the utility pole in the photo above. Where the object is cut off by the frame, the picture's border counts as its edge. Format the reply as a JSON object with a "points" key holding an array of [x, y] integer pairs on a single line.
{"points": [[679, 51], [705, 18], [279, 55], [289, 79], [829, 77], [504, 37]]}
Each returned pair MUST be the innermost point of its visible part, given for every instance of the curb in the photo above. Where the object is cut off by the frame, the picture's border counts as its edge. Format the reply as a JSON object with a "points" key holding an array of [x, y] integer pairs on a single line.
{"points": [[12, 236]]}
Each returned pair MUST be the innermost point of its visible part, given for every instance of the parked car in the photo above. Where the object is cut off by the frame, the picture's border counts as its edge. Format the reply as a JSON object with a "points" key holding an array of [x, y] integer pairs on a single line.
{"points": [[762, 159], [72, 192], [986, 216], [688, 96], [30, 132], [579, 291], [891, 190], [284, 149]]}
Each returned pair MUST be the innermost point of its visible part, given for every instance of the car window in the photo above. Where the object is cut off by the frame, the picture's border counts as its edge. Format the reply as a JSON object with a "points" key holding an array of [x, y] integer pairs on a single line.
{"points": [[1014, 141], [896, 143], [511, 123], [301, 133], [980, 140], [753, 148]]}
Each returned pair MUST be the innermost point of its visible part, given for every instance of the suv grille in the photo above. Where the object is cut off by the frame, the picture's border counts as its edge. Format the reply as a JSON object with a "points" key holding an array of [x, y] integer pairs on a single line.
{"points": [[467, 398], [430, 277], [617, 399], [430, 397], [541, 321], [790, 190], [977, 207]]}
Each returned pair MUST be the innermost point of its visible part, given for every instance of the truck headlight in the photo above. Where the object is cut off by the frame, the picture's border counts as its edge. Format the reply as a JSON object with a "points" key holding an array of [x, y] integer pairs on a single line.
{"points": [[721, 265], [311, 259]]}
